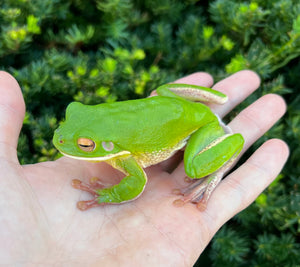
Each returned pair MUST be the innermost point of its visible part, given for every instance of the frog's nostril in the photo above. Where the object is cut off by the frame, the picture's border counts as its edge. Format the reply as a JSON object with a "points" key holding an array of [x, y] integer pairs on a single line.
{"points": [[60, 139]]}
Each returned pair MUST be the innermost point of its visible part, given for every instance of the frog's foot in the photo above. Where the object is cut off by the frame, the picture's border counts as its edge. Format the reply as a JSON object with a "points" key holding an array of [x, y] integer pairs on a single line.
{"points": [[87, 204], [199, 191], [91, 187], [188, 180]]}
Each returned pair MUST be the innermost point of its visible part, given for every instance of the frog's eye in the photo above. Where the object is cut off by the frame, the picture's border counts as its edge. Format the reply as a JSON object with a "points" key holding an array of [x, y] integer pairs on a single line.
{"points": [[86, 144], [108, 146]]}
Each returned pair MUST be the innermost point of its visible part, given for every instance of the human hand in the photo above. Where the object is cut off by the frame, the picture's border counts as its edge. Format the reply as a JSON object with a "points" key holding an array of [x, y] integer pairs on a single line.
{"points": [[40, 224]]}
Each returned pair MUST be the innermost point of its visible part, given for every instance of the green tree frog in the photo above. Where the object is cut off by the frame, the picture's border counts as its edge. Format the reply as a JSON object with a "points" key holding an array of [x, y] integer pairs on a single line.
{"points": [[131, 135]]}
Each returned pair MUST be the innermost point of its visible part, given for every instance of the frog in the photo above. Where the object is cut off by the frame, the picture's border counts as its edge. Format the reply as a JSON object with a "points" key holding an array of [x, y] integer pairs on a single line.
{"points": [[133, 134]]}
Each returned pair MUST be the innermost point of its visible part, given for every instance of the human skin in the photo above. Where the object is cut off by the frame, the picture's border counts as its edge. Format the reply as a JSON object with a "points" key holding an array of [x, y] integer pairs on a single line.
{"points": [[41, 226]]}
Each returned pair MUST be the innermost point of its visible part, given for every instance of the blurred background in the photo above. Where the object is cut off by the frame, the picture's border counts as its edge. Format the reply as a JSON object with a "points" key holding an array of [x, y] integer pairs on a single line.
{"points": [[96, 51]]}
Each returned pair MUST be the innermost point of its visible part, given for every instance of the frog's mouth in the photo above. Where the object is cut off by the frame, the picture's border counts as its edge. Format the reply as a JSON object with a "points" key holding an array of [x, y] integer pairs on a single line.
{"points": [[97, 159]]}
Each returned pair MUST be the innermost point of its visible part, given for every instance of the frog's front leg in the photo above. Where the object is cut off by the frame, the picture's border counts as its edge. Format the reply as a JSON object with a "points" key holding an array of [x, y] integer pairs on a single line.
{"points": [[128, 189], [210, 152]]}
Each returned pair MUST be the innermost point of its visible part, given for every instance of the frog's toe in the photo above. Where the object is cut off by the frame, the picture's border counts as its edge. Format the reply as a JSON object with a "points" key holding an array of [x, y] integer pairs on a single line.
{"points": [[83, 186], [93, 188], [188, 179], [177, 192], [178, 202], [201, 205], [87, 204], [96, 183], [192, 193], [199, 191]]}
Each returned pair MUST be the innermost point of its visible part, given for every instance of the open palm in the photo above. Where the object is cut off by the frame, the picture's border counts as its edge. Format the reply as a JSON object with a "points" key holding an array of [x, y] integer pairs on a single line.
{"points": [[40, 224]]}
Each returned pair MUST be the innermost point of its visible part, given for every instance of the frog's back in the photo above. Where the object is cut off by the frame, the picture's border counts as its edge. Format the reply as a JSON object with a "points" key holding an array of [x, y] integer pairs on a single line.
{"points": [[151, 124]]}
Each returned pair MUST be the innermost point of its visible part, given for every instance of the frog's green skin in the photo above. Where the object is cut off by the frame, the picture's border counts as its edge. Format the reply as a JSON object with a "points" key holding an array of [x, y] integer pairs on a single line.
{"points": [[134, 134]]}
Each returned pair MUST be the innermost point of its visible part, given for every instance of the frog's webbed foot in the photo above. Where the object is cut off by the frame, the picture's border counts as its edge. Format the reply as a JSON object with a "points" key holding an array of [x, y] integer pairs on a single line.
{"points": [[199, 191], [87, 204], [91, 187]]}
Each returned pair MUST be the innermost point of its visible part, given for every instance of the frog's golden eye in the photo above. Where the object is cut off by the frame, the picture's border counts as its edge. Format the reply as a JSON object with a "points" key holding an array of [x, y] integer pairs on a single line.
{"points": [[108, 146], [86, 144]]}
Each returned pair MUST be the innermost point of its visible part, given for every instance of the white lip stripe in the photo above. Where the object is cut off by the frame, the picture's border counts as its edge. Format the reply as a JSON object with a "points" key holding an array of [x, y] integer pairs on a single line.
{"points": [[122, 153]]}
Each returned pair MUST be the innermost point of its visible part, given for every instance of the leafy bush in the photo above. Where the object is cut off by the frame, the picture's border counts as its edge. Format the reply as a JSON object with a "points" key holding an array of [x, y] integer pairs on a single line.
{"points": [[107, 50]]}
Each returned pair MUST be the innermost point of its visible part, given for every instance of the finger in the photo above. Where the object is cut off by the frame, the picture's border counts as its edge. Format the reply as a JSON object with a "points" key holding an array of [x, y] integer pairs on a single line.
{"points": [[252, 123], [12, 110], [258, 118], [241, 188], [237, 87]]}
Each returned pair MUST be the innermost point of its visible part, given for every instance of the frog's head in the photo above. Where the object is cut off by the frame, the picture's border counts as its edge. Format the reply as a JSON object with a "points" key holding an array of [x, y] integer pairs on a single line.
{"points": [[78, 137]]}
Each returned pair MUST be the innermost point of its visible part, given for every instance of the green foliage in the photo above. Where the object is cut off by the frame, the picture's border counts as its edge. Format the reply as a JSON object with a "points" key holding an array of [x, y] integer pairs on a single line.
{"points": [[229, 248], [106, 50]]}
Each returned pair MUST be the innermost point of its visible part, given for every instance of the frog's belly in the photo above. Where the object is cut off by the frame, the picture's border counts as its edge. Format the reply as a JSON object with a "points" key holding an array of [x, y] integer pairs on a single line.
{"points": [[151, 158]]}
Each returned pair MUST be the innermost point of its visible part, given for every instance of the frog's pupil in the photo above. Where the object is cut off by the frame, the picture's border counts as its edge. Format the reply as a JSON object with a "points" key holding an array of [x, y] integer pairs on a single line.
{"points": [[86, 144]]}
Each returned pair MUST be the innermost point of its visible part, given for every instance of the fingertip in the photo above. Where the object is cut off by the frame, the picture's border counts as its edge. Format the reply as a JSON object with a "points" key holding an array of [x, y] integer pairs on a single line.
{"points": [[278, 147], [237, 87], [11, 94], [249, 75], [12, 111], [267, 161], [258, 118], [277, 101], [197, 78]]}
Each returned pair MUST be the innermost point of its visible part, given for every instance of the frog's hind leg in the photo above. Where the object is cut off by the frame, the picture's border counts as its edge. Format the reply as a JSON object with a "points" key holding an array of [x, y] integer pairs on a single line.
{"points": [[209, 154], [200, 190]]}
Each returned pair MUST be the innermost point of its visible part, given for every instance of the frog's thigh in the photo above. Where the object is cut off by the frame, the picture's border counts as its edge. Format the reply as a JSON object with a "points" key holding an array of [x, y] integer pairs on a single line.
{"points": [[208, 149]]}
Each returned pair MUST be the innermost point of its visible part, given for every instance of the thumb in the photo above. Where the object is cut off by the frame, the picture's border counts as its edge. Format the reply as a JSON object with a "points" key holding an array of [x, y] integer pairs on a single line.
{"points": [[12, 111]]}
